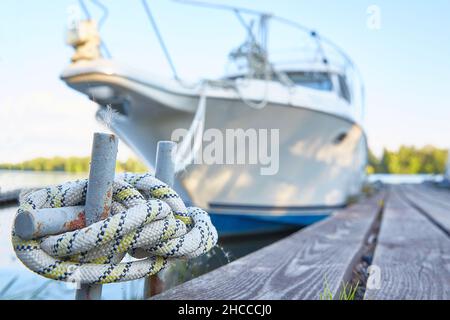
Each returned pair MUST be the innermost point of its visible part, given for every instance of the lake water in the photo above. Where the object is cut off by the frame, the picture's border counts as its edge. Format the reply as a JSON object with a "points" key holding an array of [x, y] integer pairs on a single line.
{"points": [[404, 178], [11, 179], [24, 284], [18, 282]]}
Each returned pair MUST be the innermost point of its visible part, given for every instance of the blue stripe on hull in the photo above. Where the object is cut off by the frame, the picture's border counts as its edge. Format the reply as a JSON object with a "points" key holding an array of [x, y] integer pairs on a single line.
{"points": [[239, 224]]}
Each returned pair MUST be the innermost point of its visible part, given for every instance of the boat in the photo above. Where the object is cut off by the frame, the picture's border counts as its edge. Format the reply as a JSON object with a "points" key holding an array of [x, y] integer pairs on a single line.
{"points": [[309, 112]]}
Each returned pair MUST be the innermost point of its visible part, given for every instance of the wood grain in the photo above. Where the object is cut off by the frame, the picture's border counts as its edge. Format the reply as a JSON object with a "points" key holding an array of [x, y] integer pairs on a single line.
{"points": [[297, 267], [438, 194], [412, 254], [432, 203]]}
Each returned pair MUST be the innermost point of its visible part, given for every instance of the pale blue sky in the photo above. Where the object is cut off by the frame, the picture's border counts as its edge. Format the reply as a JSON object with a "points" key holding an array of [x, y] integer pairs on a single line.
{"points": [[405, 64]]}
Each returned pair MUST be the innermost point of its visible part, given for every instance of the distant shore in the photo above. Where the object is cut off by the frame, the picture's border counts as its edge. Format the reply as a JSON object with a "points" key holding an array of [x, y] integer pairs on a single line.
{"points": [[405, 160], [70, 165], [409, 160]]}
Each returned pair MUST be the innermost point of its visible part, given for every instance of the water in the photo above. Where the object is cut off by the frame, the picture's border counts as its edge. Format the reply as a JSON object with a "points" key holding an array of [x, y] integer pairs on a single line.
{"points": [[28, 285], [404, 178], [11, 179], [14, 276]]}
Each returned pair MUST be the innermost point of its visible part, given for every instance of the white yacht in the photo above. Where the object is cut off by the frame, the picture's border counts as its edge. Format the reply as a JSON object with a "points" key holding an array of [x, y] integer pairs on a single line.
{"points": [[315, 106]]}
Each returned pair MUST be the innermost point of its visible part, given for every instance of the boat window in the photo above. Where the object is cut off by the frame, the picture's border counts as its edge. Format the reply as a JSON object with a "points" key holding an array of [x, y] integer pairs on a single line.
{"points": [[314, 80], [344, 91]]}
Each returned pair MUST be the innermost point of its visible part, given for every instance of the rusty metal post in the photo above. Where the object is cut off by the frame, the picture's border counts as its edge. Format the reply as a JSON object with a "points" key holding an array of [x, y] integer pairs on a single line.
{"points": [[164, 171], [99, 194], [33, 224]]}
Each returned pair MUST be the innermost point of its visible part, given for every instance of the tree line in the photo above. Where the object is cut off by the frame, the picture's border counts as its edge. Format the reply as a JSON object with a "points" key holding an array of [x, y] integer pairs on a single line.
{"points": [[409, 160], [405, 160], [70, 164]]}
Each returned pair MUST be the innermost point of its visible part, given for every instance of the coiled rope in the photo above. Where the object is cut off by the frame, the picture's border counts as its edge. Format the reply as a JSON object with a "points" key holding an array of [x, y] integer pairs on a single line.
{"points": [[148, 220]]}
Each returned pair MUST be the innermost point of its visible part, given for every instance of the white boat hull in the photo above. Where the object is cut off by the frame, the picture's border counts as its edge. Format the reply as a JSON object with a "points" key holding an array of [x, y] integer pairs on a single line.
{"points": [[322, 155], [314, 168]]}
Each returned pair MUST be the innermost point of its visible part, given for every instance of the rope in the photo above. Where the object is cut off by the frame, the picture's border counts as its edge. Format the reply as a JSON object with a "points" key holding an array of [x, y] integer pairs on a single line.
{"points": [[189, 147], [148, 220]]}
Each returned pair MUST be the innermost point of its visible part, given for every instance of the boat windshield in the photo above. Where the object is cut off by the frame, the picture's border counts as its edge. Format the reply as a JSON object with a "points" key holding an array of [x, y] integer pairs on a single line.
{"points": [[314, 80]]}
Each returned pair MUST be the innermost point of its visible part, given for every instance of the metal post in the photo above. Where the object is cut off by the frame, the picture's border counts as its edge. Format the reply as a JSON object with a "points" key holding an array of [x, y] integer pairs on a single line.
{"points": [[164, 171], [165, 166], [33, 224], [99, 194]]}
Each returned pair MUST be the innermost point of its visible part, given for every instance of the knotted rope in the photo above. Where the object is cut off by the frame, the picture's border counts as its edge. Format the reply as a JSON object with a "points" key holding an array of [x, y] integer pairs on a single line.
{"points": [[148, 220]]}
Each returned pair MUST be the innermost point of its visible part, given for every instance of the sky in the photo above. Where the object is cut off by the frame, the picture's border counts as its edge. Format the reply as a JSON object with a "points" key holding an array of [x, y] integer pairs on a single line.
{"points": [[405, 64]]}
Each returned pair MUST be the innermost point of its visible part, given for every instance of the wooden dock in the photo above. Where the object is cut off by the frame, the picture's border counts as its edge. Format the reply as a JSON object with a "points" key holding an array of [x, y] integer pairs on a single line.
{"points": [[401, 235]]}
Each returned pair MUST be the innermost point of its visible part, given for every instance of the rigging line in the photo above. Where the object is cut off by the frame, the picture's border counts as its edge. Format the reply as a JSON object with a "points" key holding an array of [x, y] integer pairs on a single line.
{"points": [[105, 49], [333, 45], [89, 17], [285, 21], [160, 39], [251, 35], [264, 31], [105, 12], [321, 50], [268, 67], [85, 9], [245, 25], [100, 24], [221, 6], [274, 17], [322, 38]]}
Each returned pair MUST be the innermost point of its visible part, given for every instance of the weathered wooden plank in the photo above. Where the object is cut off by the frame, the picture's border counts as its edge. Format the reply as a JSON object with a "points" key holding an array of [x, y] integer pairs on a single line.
{"points": [[297, 267], [440, 194], [412, 253], [424, 198], [437, 188]]}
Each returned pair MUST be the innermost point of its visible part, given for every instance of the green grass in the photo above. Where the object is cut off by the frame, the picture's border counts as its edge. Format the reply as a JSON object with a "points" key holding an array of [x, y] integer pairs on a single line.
{"points": [[347, 292], [7, 292]]}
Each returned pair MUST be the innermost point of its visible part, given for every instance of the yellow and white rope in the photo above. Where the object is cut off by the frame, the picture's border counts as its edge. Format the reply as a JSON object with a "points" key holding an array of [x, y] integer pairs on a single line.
{"points": [[148, 220]]}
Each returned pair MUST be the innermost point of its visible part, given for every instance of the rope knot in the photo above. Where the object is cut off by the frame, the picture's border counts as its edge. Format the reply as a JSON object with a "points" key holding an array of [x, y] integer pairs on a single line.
{"points": [[148, 220]]}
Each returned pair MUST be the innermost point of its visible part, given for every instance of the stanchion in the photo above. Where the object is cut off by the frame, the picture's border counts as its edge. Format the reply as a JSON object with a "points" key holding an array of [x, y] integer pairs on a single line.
{"points": [[99, 194], [164, 171]]}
